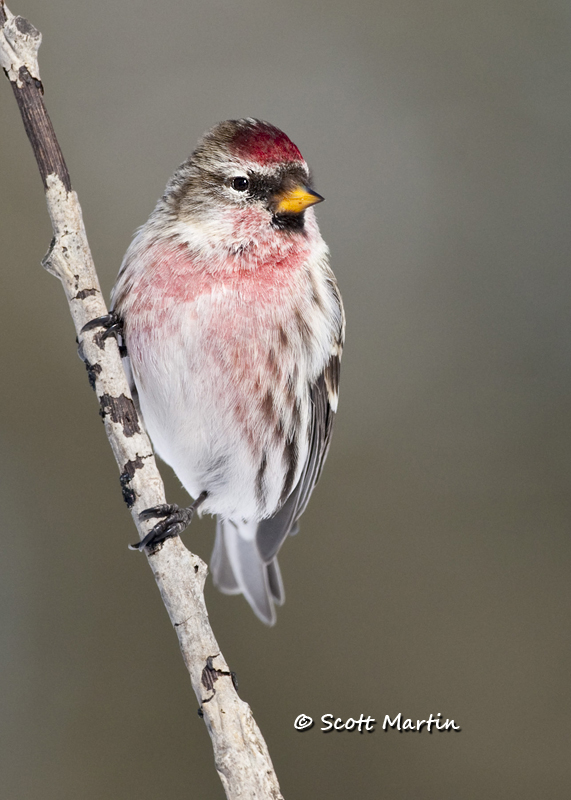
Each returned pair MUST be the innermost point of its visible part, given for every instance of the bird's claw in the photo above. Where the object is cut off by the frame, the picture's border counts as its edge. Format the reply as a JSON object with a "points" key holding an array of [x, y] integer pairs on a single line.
{"points": [[111, 323], [175, 521], [163, 510]]}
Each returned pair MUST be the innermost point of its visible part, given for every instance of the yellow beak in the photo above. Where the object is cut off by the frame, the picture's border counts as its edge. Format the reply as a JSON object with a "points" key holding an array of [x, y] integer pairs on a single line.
{"points": [[297, 200]]}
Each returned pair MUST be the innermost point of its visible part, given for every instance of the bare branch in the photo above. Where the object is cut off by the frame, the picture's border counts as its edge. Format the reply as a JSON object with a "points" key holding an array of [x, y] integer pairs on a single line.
{"points": [[240, 753]]}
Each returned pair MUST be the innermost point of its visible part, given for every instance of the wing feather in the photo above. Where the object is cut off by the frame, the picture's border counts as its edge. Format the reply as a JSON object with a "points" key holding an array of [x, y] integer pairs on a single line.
{"points": [[272, 532]]}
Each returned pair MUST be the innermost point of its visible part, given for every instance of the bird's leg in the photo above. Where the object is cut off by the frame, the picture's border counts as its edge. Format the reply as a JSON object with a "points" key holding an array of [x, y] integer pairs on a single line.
{"points": [[112, 325], [176, 520]]}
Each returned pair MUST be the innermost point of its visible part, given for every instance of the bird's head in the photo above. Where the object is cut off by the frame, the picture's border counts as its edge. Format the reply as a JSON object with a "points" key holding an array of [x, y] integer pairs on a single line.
{"points": [[246, 180]]}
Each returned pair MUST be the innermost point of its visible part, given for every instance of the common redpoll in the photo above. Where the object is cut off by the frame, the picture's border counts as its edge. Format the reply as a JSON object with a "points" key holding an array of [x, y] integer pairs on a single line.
{"points": [[234, 328]]}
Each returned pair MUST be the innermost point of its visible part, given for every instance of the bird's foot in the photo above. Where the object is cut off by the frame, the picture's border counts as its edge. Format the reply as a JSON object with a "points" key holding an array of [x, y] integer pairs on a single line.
{"points": [[112, 325], [175, 521]]}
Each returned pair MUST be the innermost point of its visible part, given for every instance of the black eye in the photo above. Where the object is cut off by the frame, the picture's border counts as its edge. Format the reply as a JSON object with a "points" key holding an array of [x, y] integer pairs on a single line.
{"points": [[240, 184]]}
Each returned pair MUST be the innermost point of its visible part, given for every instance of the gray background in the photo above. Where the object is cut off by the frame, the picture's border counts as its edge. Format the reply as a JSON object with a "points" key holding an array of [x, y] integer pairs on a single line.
{"points": [[432, 570]]}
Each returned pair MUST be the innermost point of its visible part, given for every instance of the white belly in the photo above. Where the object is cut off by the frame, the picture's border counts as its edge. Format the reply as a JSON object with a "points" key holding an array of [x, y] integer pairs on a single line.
{"points": [[221, 398]]}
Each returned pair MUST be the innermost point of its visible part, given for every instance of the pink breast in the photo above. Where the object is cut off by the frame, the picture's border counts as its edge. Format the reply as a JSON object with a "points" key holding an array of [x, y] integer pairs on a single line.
{"points": [[171, 274]]}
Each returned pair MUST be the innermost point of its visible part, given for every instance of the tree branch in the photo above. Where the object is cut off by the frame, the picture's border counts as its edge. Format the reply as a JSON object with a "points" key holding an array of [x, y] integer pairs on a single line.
{"points": [[240, 753]]}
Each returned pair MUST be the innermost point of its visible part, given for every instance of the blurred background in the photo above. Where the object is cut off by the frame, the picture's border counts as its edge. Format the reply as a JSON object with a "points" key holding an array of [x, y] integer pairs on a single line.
{"points": [[432, 572]]}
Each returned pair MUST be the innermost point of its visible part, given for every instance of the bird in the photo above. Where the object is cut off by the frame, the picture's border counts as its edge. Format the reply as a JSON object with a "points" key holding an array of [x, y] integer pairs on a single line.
{"points": [[233, 329]]}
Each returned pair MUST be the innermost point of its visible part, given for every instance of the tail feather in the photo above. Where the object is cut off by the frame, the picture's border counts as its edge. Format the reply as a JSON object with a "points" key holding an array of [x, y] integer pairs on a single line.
{"points": [[237, 567], [275, 582], [220, 565]]}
